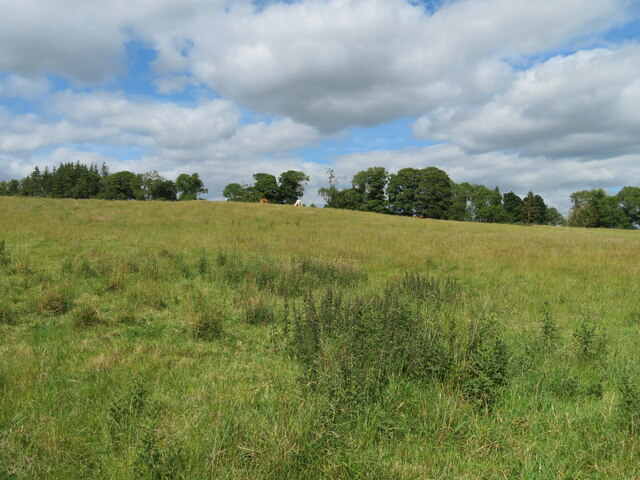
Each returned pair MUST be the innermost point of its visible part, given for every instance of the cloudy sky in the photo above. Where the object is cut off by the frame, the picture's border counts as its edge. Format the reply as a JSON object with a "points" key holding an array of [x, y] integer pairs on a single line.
{"points": [[527, 95]]}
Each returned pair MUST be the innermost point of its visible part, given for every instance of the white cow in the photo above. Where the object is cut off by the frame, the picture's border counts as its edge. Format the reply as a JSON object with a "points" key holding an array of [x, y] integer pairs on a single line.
{"points": [[298, 203]]}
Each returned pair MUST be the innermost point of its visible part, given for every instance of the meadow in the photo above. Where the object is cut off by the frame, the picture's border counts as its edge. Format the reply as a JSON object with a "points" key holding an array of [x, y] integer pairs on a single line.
{"points": [[161, 340]]}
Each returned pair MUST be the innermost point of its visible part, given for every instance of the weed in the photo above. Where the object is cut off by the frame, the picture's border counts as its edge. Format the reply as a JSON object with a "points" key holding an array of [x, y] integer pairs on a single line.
{"points": [[4, 256], [54, 301], [116, 280], [590, 344], [204, 263], [485, 370], [628, 406], [549, 325], [8, 314], [85, 314], [258, 312], [206, 319]]}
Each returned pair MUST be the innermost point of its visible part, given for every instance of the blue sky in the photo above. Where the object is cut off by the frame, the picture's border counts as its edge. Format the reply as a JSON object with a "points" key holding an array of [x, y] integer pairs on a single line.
{"points": [[524, 95]]}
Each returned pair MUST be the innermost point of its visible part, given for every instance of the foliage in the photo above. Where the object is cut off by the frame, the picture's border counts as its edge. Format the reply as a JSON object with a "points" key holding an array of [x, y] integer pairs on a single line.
{"points": [[596, 209], [402, 190], [190, 187], [76, 180], [291, 186], [629, 201], [369, 185], [121, 186], [288, 188]]}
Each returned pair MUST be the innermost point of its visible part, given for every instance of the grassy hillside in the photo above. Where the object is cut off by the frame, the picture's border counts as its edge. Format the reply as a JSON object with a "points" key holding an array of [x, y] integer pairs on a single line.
{"points": [[212, 340]]}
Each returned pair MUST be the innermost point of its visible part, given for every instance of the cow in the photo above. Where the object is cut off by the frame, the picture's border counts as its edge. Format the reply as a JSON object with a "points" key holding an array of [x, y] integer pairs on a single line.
{"points": [[298, 203], [264, 200]]}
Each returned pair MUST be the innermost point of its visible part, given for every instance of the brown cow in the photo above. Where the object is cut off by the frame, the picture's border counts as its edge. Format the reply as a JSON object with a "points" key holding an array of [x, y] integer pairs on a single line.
{"points": [[264, 200]]}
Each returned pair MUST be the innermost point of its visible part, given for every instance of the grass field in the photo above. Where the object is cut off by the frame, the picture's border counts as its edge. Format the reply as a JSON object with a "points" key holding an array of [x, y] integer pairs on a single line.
{"points": [[245, 341]]}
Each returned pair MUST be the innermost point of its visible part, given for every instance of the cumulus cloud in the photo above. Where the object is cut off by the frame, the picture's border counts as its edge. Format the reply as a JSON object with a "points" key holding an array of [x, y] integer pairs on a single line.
{"points": [[583, 105], [337, 63]]}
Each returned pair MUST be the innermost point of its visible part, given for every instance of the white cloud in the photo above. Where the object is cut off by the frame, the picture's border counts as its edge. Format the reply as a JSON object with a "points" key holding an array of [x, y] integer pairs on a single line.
{"points": [[16, 86], [582, 105], [337, 63]]}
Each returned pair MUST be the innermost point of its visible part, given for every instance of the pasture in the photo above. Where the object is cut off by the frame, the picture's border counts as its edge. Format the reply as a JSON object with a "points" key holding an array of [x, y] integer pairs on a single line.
{"points": [[244, 341]]}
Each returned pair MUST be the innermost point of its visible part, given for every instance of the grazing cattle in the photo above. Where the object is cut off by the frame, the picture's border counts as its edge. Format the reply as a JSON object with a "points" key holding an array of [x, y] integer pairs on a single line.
{"points": [[298, 203], [264, 200]]}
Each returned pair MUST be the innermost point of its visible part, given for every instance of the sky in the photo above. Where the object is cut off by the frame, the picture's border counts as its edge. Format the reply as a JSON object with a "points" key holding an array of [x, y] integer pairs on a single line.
{"points": [[525, 95]]}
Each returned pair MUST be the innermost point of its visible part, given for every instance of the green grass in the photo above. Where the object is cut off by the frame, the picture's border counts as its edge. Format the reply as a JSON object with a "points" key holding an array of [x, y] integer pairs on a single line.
{"points": [[244, 341]]}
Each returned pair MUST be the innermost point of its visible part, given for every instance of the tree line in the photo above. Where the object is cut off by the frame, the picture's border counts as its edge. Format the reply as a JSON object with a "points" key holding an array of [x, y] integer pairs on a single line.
{"points": [[288, 188], [76, 180], [430, 193]]}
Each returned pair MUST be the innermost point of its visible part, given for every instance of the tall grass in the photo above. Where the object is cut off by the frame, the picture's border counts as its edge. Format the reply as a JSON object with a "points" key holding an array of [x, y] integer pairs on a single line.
{"points": [[209, 340]]}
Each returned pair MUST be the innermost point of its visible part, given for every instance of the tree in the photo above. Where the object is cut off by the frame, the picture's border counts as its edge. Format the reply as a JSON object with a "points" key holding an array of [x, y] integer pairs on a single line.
{"points": [[401, 191], [541, 209], [150, 180], [330, 193], [594, 209], [234, 192], [513, 205], [487, 205], [554, 217], [434, 195], [165, 190], [529, 209], [462, 208], [291, 186], [629, 200], [121, 186], [190, 186], [265, 186], [370, 185]]}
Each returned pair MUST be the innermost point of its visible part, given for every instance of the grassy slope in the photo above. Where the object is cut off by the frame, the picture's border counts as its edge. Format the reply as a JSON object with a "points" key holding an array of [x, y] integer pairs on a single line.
{"points": [[130, 392]]}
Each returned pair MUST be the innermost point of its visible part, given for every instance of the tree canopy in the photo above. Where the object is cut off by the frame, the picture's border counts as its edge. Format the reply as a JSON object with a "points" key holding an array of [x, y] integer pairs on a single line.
{"points": [[288, 188], [76, 180]]}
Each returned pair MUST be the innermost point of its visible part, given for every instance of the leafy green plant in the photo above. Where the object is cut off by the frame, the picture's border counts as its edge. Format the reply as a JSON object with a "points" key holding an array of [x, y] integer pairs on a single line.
{"points": [[590, 343], [485, 370]]}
